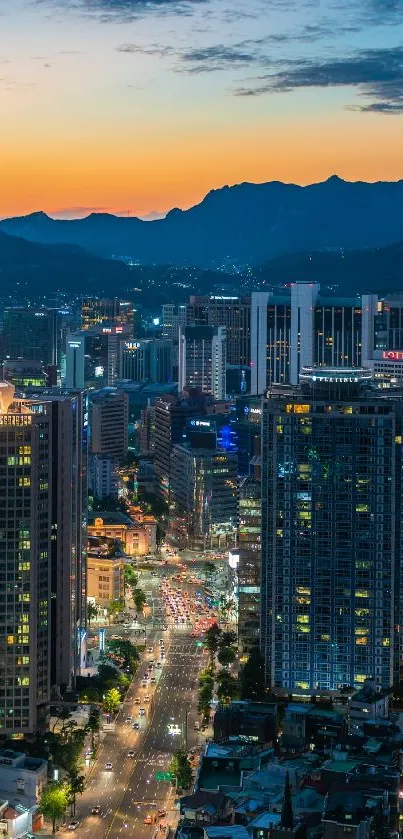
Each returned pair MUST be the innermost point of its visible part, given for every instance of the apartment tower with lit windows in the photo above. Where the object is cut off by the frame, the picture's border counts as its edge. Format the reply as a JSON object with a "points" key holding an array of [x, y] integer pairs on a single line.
{"points": [[331, 532]]}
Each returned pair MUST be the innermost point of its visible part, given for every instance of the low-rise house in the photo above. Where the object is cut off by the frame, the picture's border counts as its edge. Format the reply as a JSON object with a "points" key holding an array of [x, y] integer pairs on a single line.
{"points": [[206, 808], [257, 720], [22, 778]]}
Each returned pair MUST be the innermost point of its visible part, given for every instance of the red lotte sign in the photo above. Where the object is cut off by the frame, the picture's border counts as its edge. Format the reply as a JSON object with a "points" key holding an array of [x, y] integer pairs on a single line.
{"points": [[393, 355]]}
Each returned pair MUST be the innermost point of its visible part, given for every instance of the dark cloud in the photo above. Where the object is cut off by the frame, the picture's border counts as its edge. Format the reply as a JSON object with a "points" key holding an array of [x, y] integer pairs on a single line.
{"points": [[124, 10], [377, 75]]}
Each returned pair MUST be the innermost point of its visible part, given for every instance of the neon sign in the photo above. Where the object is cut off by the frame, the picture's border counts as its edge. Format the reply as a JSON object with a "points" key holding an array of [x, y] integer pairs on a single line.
{"points": [[393, 355]]}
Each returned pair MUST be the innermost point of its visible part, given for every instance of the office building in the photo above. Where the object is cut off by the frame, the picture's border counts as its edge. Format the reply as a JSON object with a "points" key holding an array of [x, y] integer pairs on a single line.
{"points": [[331, 532], [246, 422], [108, 418], [205, 495], [301, 328], [173, 318], [148, 360], [92, 357], [233, 313], [382, 336], [42, 586], [202, 359], [170, 416], [23, 374], [31, 333], [103, 478], [96, 311]]}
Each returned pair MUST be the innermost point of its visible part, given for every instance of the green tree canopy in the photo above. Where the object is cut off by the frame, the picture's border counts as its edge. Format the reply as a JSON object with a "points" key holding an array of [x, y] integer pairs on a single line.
{"points": [[253, 685], [228, 686], [124, 653], [54, 801], [181, 768], [92, 611], [112, 700], [226, 656], [75, 786], [139, 599]]}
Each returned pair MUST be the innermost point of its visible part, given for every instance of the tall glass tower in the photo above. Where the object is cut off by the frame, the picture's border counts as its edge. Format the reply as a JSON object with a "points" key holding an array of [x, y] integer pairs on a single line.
{"points": [[331, 540]]}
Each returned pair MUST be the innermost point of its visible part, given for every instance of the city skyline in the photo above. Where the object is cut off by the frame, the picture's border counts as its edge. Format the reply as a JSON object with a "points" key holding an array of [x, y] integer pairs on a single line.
{"points": [[131, 106]]}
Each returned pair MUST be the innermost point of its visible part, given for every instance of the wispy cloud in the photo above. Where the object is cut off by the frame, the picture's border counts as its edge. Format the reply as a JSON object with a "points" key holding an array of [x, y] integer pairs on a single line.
{"points": [[122, 11], [377, 75]]}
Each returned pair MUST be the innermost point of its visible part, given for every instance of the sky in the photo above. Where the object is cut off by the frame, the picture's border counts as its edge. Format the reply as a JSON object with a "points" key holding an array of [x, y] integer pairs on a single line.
{"points": [[137, 106]]}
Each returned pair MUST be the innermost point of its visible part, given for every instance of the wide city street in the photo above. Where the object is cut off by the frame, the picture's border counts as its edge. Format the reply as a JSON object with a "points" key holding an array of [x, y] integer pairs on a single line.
{"points": [[162, 700]]}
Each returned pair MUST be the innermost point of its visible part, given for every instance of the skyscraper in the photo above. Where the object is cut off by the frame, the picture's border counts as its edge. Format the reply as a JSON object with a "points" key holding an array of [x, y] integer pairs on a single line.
{"points": [[331, 540], [108, 417], [25, 525], [298, 328], [202, 359], [96, 311], [231, 312], [42, 581], [147, 360], [31, 333]]}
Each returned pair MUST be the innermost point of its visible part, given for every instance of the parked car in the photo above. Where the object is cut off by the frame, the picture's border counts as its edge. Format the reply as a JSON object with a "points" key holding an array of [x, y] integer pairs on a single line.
{"points": [[73, 825]]}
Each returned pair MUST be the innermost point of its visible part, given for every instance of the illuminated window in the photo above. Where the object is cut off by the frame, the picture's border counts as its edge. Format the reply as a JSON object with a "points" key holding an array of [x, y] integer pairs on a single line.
{"points": [[302, 685], [325, 637], [398, 440], [361, 630], [362, 508], [362, 592], [24, 482], [361, 612], [10, 640], [303, 618], [11, 461], [386, 642], [302, 409], [303, 590], [24, 598], [303, 629], [24, 450], [360, 678]]}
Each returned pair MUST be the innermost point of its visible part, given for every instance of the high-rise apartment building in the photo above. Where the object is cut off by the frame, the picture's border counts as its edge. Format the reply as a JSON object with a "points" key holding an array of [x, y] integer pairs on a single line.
{"points": [[42, 581], [331, 532], [301, 328], [202, 359], [109, 418], [147, 360], [101, 311], [31, 333], [248, 570]]}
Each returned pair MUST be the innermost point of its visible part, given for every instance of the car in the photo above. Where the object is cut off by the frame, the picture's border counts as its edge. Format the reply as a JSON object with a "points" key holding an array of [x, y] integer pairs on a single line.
{"points": [[96, 810], [153, 680], [142, 712], [150, 819], [129, 720], [162, 654], [150, 667], [137, 700], [147, 697], [150, 649], [162, 641], [109, 766], [153, 573], [161, 813], [73, 825], [159, 664], [131, 753], [144, 684]]}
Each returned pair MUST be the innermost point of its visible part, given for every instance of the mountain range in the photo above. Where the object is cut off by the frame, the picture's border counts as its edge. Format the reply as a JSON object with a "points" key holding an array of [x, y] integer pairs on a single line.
{"points": [[243, 225]]}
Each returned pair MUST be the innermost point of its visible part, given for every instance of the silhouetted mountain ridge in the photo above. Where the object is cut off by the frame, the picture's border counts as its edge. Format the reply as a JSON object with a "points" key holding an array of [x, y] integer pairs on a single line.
{"points": [[245, 224]]}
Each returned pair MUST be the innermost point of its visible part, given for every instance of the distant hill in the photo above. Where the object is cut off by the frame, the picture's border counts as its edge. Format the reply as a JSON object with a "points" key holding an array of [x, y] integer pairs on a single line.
{"points": [[347, 272], [247, 224], [28, 269]]}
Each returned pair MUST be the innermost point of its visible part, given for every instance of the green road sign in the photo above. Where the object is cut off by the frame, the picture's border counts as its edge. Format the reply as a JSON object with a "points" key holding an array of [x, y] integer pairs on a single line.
{"points": [[163, 776]]}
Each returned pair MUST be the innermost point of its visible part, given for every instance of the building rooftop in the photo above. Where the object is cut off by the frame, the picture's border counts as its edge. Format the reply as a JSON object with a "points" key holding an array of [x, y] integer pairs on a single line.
{"points": [[231, 831]]}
